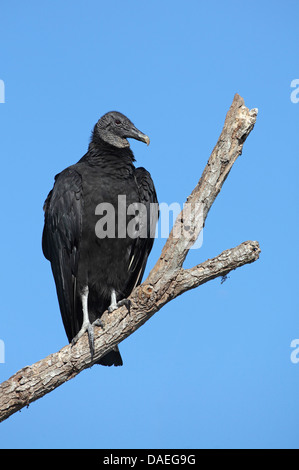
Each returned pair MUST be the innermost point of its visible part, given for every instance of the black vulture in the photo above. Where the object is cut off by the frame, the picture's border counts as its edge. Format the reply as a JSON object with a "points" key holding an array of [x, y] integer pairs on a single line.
{"points": [[95, 270]]}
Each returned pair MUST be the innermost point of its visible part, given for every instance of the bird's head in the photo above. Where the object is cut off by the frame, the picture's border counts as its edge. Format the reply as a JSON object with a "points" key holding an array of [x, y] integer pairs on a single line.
{"points": [[114, 128]]}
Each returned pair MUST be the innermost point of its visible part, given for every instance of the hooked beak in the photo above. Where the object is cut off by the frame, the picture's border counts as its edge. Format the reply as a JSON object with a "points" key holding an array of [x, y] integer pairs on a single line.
{"points": [[138, 135]]}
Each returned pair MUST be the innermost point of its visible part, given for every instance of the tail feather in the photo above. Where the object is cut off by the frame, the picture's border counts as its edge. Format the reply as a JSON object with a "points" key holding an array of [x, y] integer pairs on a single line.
{"points": [[112, 358]]}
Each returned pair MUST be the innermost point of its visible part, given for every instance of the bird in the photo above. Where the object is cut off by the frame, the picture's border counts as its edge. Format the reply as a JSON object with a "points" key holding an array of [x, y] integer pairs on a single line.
{"points": [[97, 261]]}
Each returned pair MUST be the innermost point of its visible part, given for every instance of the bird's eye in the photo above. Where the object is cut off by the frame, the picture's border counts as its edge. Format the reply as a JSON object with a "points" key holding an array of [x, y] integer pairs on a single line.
{"points": [[117, 121]]}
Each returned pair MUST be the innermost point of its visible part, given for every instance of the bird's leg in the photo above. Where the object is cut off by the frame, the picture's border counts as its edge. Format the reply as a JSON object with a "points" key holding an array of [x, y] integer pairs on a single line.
{"points": [[115, 305], [86, 325]]}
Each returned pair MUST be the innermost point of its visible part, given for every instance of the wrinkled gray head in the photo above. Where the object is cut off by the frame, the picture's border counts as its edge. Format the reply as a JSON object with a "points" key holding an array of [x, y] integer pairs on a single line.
{"points": [[114, 128]]}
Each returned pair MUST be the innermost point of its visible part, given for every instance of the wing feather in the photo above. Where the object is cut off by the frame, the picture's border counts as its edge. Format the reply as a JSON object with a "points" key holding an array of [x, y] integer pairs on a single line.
{"points": [[61, 241], [143, 244]]}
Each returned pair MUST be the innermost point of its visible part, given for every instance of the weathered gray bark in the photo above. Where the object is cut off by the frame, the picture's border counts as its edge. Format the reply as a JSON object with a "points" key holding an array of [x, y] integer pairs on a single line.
{"points": [[166, 281]]}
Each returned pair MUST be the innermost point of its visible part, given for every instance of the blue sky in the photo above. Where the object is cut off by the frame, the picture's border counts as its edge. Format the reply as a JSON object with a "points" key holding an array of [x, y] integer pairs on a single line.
{"points": [[212, 369]]}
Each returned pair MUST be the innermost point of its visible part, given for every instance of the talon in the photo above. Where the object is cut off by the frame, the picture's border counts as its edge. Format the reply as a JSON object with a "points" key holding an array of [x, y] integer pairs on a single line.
{"points": [[125, 302], [91, 340], [111, 308], [83, 330], [89, 328], [98, 322], [122, 302]]}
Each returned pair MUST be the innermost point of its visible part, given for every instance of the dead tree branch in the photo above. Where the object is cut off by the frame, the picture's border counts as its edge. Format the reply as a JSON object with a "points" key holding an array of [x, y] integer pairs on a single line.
{"points": [[167, 280]]}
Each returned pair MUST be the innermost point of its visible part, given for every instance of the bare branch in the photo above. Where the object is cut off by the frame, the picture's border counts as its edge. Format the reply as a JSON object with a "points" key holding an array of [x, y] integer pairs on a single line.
{"points": [[166, 281], [238, 124], [228, 260]]}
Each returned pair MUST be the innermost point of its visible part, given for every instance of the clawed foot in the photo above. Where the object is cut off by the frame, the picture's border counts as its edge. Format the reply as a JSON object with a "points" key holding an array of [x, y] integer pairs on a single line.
{"points": [[89, 328], [116, 305]]}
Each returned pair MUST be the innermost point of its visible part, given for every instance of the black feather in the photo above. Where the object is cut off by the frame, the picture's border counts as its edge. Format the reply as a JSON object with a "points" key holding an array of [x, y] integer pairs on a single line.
{"points": [[78, 256]]}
